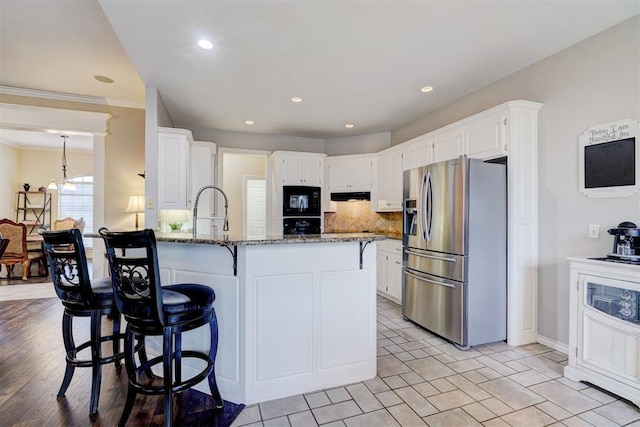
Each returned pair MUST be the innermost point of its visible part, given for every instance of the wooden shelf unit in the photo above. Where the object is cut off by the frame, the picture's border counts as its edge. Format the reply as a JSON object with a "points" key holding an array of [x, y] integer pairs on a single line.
{"points": [[34, 210]]}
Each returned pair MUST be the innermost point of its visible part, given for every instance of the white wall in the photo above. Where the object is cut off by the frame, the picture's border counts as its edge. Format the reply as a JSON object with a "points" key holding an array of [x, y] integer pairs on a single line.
{"points": [[595, 81], [255, 141], [9, 180], [371, 143]]}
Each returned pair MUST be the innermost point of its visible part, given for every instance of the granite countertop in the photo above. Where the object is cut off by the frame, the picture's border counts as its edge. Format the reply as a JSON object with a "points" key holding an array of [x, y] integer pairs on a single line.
{"points": [[387, 234], [237, 240]]}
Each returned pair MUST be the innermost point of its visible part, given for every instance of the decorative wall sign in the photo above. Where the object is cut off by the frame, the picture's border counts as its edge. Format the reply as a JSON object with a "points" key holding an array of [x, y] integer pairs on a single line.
{"points": [[608, 160]]}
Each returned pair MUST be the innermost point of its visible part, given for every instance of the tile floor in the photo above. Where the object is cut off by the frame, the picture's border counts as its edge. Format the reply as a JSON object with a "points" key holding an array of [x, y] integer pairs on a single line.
{"points": [[423, 381]]}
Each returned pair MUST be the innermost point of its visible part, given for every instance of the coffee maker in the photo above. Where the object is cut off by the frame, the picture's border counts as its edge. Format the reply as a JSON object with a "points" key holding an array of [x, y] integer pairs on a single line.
{"points": [[626, 242]]}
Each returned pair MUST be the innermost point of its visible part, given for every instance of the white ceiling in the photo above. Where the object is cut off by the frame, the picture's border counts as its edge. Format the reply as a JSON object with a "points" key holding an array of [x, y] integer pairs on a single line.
{"points": [[360, 62]]}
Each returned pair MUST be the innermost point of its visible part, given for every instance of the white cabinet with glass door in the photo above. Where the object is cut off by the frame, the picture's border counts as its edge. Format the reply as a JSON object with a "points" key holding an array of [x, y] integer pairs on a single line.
{"points": [[604, 326]]}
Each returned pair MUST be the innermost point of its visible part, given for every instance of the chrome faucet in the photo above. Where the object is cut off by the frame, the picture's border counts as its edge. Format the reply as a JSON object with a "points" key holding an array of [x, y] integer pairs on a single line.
{"points": [[225, 227]]}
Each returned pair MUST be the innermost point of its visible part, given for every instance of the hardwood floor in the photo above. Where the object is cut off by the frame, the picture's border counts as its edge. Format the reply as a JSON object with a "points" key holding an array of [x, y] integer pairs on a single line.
{"points": [[32, 366]]}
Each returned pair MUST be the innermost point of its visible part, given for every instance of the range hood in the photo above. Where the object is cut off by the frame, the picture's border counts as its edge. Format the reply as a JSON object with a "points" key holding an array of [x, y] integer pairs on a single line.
{"points": [[355, 195]]}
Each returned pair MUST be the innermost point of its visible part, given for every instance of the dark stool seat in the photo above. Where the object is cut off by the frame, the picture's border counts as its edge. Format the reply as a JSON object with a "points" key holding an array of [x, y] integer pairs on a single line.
{"points": [[82, 297], [154, 310]]}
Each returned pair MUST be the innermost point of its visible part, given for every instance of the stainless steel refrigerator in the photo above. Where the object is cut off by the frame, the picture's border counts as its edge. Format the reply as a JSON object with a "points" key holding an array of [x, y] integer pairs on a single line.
{"points": [[454, 276]]}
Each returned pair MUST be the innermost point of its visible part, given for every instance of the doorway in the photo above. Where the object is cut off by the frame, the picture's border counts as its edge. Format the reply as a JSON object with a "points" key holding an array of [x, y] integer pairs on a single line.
{"points": [[255, 196], [237, 167]]}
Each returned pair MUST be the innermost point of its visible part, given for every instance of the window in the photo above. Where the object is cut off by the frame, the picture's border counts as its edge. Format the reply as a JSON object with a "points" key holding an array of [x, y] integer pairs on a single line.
{"points": [[78, 203]]}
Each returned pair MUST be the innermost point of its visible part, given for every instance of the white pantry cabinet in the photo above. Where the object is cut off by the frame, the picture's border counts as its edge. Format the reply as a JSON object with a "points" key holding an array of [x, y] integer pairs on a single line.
{"points": [[389, 181], [604, 326], [293, 168], [389, 269], [510, 130], [350, 173], [173, 168]]}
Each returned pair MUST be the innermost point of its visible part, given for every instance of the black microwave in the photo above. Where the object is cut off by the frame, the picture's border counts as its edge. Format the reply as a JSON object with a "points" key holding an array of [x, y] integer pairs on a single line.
{"points": [[301, 201]]}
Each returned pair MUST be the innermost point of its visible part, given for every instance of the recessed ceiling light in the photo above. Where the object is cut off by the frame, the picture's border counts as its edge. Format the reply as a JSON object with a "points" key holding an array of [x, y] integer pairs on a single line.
{"points": [[103, 79], [296, 99], [349, 125], [426, 89], [249, 122], [205, 44]]}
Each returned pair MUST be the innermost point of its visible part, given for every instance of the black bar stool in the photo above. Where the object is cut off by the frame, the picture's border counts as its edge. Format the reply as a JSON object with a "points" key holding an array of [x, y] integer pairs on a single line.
{"points": [[82, 297], [151, 309]]}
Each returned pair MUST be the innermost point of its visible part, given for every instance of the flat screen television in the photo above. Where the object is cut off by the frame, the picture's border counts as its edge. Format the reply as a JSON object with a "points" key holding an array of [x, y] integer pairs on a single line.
{"points": [[610, 164]]}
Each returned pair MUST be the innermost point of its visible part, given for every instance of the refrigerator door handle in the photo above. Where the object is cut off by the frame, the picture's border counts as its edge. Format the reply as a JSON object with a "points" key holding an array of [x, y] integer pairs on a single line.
{"points": [[422, 207], [426, 208], [428, 280], [441, 258]]}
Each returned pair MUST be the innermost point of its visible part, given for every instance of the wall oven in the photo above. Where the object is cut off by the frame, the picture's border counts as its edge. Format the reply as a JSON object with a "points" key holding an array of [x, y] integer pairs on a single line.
{"points": [[300, 226], [301, 201]]}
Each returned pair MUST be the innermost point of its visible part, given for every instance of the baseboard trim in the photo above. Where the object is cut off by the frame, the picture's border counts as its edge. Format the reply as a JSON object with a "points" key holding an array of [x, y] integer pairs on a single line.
{"points": [[557, 346]]}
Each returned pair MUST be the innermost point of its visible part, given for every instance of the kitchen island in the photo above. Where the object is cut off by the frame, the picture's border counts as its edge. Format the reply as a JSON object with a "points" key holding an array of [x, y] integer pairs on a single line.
{"points": [[295, 313]]}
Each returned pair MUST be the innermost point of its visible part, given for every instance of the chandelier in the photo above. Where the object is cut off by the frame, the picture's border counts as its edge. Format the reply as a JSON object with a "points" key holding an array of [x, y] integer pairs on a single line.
{"points": [[66, 184]]}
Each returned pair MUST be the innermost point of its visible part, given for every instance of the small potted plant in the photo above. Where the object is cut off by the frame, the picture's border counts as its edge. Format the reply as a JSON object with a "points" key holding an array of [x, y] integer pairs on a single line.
{"points": [[175, 227]]}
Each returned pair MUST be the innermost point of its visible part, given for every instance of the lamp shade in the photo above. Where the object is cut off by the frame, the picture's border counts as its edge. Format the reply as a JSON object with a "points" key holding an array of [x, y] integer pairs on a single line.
{"points": [[69, 186], [52, 185], [136, 204]]}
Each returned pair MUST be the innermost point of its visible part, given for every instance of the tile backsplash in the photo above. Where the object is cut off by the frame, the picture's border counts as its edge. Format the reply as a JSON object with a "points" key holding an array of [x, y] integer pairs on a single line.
{"points": [[357, 216]]}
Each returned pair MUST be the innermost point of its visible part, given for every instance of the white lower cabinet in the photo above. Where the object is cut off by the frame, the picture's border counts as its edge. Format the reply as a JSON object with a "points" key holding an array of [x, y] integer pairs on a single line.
{"points": [[604, 326], [389, 274], [294, 318]]}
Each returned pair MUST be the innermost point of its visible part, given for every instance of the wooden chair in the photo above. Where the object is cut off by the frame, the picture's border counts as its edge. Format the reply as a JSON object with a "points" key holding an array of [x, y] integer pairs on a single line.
{"points": [[68, 223], [3, 245], [16, 251]]}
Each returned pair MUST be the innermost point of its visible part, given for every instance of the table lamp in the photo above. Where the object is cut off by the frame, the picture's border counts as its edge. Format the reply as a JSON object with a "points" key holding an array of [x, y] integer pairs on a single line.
{"points": [[136, 204]]}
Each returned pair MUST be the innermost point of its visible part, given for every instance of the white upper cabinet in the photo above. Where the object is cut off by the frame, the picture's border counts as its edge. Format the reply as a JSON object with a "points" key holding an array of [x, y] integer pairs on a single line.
{"points": [[349, 173], [485, 136], [390, 181], [300, 169], [417, 152], [173, 168], [409, 156], [447, 145]]}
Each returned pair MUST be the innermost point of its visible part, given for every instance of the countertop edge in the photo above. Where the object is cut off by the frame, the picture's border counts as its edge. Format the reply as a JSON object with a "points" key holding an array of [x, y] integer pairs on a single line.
{"points": [[187, 238]]}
